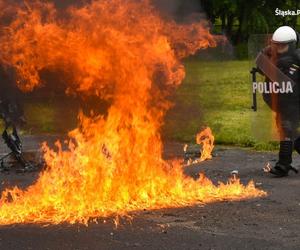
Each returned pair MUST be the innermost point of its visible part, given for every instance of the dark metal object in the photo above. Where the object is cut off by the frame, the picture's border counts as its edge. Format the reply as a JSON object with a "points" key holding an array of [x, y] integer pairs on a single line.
{"points": [[13, 142], [254, 93]]}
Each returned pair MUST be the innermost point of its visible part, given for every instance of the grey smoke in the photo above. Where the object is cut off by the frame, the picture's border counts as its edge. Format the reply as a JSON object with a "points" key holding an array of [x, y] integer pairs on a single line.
{"points": [[181, 10], [177, 9]]}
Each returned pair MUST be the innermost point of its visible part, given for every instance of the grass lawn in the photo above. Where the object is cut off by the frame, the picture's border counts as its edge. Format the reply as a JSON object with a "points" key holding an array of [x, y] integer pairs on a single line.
{"points": [[214, 94], [218, 95]]}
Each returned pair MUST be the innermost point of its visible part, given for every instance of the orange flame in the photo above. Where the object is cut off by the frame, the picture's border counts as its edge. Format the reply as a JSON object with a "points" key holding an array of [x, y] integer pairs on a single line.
{"points": [[123, 51], [206, 139]]}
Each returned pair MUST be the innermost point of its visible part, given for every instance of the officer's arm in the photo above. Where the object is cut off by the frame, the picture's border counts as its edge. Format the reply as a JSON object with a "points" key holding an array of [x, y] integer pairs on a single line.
{"points": [[297, 55]]}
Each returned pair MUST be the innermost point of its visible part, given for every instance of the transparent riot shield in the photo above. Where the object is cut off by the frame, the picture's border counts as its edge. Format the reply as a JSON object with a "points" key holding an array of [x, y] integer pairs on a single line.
{"points": [[274, 91]]}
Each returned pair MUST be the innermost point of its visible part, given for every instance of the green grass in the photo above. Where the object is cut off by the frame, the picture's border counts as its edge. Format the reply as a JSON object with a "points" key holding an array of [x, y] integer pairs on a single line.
{"points": [[49, 117], [214, 94], [42, 123], [218, 95]]}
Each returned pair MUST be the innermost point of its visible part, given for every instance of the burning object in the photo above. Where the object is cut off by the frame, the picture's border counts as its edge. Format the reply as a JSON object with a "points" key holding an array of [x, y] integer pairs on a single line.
{"points": [[268, 168], [205, 140], [114, 163]]}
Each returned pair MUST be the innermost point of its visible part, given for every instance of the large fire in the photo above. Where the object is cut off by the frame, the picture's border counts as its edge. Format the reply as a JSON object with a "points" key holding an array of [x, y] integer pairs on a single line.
{"points": [[122, 51]]}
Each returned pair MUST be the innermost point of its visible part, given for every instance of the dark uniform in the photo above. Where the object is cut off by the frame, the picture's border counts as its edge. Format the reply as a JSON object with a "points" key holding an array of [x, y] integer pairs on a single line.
{"points": [[286, 105]]}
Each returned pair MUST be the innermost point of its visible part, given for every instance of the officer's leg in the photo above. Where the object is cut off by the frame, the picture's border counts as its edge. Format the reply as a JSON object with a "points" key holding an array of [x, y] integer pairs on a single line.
{"points": [[297, 145], [285, 152], [283, 165]]}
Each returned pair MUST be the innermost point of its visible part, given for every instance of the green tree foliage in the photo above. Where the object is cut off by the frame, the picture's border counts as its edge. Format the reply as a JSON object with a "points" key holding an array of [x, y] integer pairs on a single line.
{"points": [[239, 18]]}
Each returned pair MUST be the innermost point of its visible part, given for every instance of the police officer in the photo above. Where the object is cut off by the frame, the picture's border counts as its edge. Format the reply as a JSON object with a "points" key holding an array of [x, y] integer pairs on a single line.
{"points": [[283, 53]]}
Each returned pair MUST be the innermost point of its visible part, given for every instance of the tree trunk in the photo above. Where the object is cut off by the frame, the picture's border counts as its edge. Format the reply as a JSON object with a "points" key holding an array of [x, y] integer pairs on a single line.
{"points": [[241, 19], [230, 20]]}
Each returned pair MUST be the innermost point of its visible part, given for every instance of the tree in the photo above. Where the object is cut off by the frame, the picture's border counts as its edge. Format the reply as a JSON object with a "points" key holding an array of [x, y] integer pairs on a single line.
{"points": [[240, 18]]}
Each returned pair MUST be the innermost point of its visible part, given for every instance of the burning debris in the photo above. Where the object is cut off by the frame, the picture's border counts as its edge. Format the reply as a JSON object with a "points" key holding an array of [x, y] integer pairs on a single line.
{"points": [[114, 163], [267, 168], [205, 140]]}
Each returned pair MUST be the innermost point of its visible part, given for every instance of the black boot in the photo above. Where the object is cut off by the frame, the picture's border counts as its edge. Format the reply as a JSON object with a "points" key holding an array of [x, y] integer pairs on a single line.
{"points": [[283, 166], [297, 145]]}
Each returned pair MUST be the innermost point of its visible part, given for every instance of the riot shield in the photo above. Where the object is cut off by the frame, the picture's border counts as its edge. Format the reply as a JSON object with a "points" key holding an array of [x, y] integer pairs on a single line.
{"points": [[274, 92]]}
